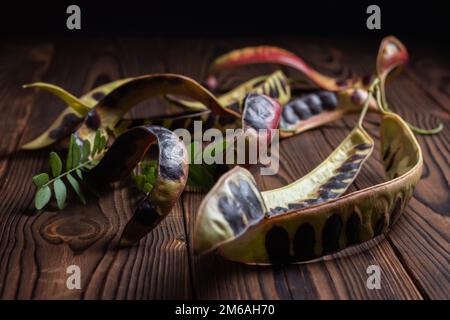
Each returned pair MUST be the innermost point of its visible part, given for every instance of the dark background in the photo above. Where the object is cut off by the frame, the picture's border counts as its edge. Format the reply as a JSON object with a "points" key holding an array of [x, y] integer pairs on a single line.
{"points": [[421, 20]]}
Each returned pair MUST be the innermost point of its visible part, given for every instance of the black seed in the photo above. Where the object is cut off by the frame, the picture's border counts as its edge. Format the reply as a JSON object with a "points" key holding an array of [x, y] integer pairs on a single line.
{"points": [[379, 225], [396, 211], [301, 109], [171, 155], [348, 166], [334, 183], [329, 100], [330, 234], [353, 228], [68, 125], [273, 92], [277, 245], [327, 194], [293, 206], [304, 240], [98, 96], [356, 157], [146, 213], [258, 111], [277, 210], [93, 120], [363, 146], [314, 103], [345, 176], [289, 115], [235, 106], [231, 211], [247, 199]]}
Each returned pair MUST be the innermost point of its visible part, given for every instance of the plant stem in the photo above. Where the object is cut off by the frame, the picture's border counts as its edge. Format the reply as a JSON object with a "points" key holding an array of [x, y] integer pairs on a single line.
{"points": [[79, 166], [370, 91]]}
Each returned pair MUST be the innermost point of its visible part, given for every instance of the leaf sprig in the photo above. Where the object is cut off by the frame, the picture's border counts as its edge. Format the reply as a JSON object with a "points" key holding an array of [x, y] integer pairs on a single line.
{"points": [[80, 157], [145, 175]]}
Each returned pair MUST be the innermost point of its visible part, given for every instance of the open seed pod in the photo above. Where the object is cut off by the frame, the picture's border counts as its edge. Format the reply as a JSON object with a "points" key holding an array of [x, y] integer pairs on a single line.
{"points": [[103, 108], [323, 227], [172, 172], [235, 206], [72, 116]]}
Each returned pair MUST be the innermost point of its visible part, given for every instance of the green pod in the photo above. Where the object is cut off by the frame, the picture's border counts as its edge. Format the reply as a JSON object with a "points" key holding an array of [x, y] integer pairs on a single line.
{"points": [[223, 216], [308, 233], [72, 116]]}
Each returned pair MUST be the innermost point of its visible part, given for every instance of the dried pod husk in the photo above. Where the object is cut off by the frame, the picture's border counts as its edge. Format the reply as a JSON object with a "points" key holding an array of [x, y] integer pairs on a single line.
{"points": [[392, 57], [271, 54], [228, 204], [108, 112], [172, 172], [308, 233], [274, 86], [72, 116]]}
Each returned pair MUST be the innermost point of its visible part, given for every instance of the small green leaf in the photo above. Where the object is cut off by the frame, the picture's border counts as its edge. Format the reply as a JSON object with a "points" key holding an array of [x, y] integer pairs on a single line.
{"points": [[97, 142], [79, 173], [102, 144], [76, 187], [55, 164], [60, 193], [86, 152], [76, 155], [40, 179], [69, 162], [148, 187], [42, 197], [140, 180]]}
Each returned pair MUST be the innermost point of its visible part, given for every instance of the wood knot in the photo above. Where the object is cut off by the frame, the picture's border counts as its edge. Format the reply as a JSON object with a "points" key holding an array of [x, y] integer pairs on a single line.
{"points": [[79, 231]]}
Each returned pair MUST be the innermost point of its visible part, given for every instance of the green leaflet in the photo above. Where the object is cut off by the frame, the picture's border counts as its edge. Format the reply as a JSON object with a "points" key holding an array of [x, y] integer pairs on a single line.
{"points": [[40, 179], [60, 193], [42, 197], [55, 164], [79, 157]]}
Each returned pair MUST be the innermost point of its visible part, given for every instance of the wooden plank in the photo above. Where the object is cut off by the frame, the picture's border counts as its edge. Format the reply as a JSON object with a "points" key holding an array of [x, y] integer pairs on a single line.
{"points": [[343, 278], [43, 245], [35, 249]]}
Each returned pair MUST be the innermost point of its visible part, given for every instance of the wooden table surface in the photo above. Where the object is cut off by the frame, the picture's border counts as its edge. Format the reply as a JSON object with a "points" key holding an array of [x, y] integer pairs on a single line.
{"points": [[36, 248]]}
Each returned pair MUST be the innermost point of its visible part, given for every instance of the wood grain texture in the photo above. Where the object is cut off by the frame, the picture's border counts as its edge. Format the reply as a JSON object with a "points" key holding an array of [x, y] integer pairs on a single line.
{"points": [[36, 248]]}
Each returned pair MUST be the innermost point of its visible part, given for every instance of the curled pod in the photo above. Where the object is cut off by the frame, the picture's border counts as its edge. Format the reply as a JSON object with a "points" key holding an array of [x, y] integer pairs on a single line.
{"points": [[172, 172], [304, 234], [274, 86], [271, 54], [228, 204], [110, 110], [72, 116]]}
